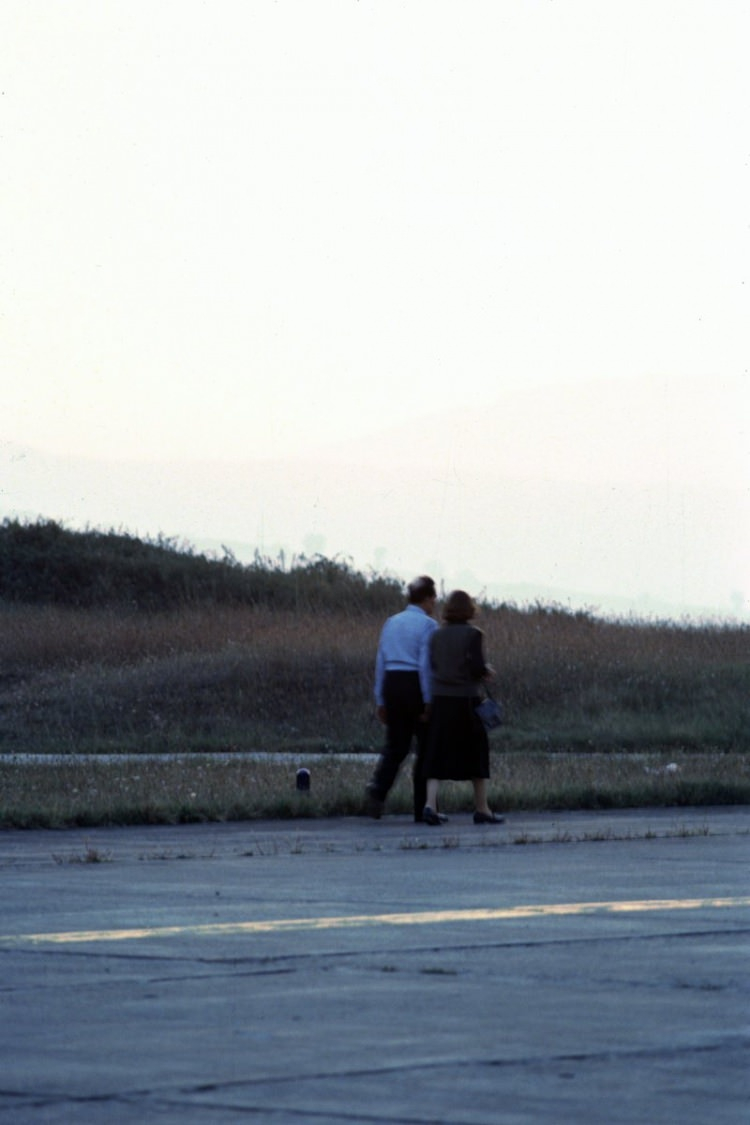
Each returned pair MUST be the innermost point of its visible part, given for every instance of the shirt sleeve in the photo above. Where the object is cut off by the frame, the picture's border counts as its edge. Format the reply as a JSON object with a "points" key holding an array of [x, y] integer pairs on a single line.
{"points": [[380, 671], [425, 662]]}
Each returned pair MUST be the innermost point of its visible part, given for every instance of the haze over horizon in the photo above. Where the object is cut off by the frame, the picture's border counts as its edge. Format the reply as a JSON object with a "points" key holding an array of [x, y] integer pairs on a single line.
{"points": [[465, 499], [458, 293]]}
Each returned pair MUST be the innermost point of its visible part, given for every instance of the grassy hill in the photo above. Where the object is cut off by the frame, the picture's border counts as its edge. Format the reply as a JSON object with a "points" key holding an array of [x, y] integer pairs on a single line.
{"points": [[109, 643], [46, 564]]}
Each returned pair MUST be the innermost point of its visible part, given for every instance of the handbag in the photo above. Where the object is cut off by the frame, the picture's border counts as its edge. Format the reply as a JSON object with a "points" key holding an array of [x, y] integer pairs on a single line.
{"points": [[489, 711]]}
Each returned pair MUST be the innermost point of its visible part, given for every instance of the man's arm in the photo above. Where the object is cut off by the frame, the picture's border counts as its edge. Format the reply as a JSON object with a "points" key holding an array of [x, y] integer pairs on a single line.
{"points": [[380, 674], [425, 663]]}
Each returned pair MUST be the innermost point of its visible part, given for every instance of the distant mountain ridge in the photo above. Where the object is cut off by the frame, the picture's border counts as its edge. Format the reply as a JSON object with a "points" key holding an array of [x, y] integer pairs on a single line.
{"points": [[628, 500]]}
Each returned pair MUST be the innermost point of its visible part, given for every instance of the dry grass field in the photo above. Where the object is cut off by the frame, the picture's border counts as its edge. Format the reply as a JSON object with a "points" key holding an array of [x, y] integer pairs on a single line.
{"points": [[599, 714], [178, 664]]}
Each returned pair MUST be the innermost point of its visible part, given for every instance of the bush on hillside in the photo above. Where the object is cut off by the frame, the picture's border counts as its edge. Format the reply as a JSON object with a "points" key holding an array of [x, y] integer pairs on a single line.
{"points": [[45, 563]]}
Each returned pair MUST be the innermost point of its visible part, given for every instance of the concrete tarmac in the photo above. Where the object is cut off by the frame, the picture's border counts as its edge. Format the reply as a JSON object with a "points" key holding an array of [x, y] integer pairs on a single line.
{"points": [[582, 968]]}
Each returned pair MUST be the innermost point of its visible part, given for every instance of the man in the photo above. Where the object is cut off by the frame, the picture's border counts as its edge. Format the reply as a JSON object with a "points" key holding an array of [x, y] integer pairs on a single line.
{"points": [[403, 692]]}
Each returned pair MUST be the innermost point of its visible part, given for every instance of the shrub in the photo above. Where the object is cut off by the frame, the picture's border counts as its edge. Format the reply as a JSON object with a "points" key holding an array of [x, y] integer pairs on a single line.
{"points": [[46, 564]]}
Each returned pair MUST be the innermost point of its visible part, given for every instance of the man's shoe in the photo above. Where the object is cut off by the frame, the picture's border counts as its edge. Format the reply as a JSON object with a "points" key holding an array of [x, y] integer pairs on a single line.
{"points": [[373, 806], [488, 818], [429, 816]]}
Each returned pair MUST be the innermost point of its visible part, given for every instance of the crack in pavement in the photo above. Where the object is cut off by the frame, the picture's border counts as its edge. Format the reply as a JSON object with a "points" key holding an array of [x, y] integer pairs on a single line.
{"points": [[176, 1096]]}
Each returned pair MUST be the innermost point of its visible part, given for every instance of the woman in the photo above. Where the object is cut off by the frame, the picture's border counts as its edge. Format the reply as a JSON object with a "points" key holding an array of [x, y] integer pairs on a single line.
{"points": [[457, 745]]}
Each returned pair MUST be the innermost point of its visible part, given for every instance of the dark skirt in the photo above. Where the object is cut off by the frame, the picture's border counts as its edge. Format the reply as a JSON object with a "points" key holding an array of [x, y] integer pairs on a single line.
{"points": [[457, 745]]}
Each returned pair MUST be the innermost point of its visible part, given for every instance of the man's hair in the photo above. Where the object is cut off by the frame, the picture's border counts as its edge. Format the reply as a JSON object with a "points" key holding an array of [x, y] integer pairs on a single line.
{"points": [[420, 589]]}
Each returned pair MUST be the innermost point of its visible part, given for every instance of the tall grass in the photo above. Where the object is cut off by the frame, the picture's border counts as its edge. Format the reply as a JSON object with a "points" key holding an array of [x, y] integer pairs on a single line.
{"points": [[224, 666], [205, 678], [201, 679]]}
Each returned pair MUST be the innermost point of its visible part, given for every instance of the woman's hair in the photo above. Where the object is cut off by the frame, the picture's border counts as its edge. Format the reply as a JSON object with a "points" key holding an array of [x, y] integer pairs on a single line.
{"points": [[459, 607]]}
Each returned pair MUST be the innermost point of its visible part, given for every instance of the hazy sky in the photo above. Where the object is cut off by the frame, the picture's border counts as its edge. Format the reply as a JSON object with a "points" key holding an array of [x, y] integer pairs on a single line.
{"points": [[470, 254]]}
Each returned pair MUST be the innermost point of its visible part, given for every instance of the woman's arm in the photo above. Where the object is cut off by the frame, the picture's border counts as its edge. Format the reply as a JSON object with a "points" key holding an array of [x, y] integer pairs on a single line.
{"points": [[478, 668]]}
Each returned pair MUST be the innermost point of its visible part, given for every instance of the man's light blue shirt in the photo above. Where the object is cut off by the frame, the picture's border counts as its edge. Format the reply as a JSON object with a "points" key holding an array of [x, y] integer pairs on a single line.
{"points": [[405, 647]]}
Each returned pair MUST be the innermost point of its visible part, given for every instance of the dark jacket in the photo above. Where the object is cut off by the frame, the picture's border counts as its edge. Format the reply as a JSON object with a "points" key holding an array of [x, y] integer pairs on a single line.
{"points": [[457, 660]]}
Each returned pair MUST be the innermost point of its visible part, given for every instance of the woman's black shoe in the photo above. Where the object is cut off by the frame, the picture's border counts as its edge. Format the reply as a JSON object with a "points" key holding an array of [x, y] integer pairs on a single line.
{"points": [[488, 818]]}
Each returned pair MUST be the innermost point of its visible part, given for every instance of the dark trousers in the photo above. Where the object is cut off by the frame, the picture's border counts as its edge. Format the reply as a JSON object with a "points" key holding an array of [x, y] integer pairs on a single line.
{"points": [[404, 706]]}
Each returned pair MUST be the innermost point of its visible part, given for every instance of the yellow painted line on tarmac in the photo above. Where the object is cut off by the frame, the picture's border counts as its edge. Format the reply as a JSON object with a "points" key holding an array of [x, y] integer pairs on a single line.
{"points": [[361, 921]]}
